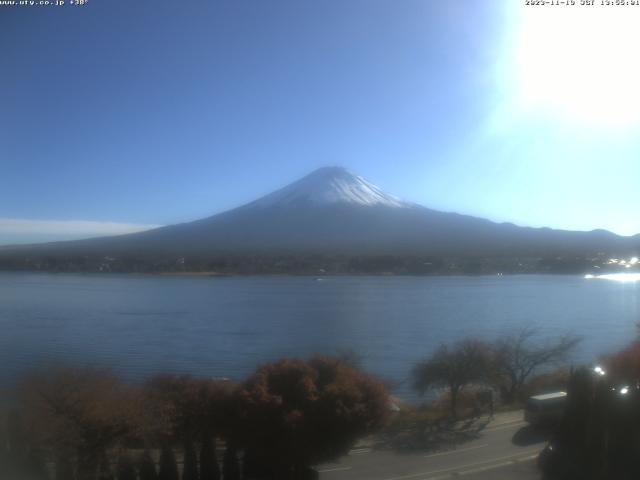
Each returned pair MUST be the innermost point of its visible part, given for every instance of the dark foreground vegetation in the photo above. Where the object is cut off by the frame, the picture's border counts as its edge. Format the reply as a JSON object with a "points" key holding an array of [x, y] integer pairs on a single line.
{"points": [[599, 436], [86, 424], [293, 414]]}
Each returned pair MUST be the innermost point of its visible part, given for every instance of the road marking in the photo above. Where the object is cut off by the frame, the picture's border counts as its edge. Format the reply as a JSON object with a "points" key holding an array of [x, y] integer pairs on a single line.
{"points": [[526, 459], [336, 469], [429, 475], [359, 451], [503, 426], [489, 465], [493, 466], [484, 469], [457, 450]]}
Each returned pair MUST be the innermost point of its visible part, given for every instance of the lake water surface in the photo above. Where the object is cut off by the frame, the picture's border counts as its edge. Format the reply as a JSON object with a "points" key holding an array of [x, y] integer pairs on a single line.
{"points": [[140, 325]]}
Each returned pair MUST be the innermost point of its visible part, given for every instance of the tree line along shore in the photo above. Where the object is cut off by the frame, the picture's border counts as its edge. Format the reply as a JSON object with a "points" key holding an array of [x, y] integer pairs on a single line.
{"points": [[313, 264]]}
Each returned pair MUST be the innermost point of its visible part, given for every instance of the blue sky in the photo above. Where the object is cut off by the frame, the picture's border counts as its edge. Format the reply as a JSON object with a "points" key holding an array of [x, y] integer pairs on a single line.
{"points": [[120, 115]]}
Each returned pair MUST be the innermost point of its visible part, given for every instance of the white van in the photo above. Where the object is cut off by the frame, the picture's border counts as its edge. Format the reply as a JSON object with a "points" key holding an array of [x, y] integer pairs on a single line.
{"points": [[547, 408]]}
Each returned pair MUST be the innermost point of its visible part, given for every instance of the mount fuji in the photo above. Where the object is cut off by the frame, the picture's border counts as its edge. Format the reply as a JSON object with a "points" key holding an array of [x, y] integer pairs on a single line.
{"points": [[334, 211]]}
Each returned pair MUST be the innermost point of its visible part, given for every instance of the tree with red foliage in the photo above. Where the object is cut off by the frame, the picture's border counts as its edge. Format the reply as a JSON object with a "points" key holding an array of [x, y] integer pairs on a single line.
{"points": [[172, 408], [624, 366], [183, 408], [295, 413], [80, 411]]}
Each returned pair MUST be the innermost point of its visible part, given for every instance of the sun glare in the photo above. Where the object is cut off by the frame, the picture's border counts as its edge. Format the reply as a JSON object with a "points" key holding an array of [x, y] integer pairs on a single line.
{"points": [[580, 64], [618, 277]]}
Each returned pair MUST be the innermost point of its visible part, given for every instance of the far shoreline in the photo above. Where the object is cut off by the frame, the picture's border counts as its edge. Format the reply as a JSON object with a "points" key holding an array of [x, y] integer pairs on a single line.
{"points": [[318, 276]]}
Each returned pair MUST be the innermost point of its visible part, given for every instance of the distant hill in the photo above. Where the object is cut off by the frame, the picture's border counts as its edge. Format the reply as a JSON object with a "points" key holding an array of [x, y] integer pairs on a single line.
{"points": [[334, 211]]}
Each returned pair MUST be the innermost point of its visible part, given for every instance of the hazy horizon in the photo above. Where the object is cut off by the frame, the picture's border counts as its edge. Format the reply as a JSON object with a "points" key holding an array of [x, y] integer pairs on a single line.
{"points": [[119, 117]]}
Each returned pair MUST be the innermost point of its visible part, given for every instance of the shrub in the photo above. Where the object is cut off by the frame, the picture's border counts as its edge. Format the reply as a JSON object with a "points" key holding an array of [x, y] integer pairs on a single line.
{"points": [[295, 413]]}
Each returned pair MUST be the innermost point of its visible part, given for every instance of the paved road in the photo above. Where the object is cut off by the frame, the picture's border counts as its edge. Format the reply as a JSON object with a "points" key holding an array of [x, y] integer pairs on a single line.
{"points": [[506, 449]]}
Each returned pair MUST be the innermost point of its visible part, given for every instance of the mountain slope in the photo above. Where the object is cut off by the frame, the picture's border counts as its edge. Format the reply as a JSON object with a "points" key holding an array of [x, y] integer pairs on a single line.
{"points": [[335, 211]]}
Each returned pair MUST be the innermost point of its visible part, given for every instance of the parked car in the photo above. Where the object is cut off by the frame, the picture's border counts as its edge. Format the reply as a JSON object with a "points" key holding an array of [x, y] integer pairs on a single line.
{"points": [[556, 463], [545, 409]]}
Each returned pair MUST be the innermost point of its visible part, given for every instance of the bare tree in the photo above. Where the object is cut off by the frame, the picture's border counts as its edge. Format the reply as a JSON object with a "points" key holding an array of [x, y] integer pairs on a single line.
{"points": [[517, 356], [455, 367]]}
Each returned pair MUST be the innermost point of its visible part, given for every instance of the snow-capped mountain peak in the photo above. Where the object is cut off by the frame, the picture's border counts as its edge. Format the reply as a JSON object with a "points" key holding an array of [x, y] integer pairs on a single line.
{"points": [[328, 186]]}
